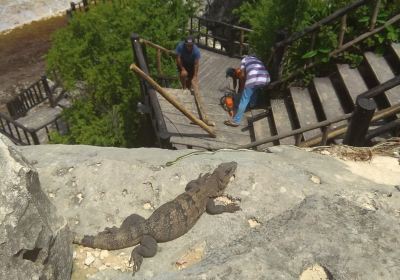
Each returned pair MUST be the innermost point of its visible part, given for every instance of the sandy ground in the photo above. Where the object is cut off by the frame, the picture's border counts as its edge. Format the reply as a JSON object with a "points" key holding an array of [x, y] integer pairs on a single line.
{"points": [[22, 55], [381, 169]]}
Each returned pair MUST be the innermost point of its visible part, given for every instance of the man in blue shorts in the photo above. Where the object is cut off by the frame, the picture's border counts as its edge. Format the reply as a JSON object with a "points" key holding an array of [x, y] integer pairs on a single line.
{"points": [[187, 61], [252, 76]]}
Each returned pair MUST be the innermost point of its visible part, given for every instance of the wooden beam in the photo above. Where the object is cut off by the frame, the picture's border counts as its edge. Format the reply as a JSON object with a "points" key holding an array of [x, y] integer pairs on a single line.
{"points": [[200, 104], [342, 129], [172, 100]]}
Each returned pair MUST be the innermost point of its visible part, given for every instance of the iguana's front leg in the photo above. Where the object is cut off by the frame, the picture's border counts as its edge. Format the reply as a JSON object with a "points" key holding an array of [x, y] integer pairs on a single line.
{"points": [[213, 209], [146, 249]]}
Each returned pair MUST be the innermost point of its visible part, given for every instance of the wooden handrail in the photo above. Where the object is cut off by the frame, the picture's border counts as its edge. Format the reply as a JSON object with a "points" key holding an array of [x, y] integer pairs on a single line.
{"points": [[342, 129], [337, 14], [149, 96], [27, 131], [149, 43], [172, 100], [334, 133], [224, 23], [336, 51]]}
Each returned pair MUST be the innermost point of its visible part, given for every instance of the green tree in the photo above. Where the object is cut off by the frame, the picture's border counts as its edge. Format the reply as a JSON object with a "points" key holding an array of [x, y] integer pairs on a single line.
{"points": [[94, 51], [265, 17]]}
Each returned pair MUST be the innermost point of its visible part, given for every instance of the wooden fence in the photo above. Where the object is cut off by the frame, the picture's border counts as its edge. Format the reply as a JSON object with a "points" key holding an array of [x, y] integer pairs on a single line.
{"points": [[22, 135], [29, 98], [234, 43]]}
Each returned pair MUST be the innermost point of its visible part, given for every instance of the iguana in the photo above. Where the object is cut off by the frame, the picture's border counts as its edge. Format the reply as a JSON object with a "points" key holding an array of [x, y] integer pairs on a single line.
{"points": [[170, 221]]}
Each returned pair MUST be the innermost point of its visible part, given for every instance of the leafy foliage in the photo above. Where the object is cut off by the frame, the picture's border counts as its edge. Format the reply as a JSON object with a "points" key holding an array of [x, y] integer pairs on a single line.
{"points": [[95, 50], [265, 17]]}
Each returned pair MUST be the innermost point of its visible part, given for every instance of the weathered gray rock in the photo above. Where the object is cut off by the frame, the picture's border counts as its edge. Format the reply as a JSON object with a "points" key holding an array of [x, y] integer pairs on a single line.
{"points": [[15, 13], [298, 209], [34, 242]]}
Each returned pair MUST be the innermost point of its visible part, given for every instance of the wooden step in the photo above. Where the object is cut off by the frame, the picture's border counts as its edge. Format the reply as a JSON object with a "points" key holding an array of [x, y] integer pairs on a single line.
{"points": [[282, 121], [304, 109], [396, 50], [352, 80], [382, 72], [329, 100], [261, 128]]}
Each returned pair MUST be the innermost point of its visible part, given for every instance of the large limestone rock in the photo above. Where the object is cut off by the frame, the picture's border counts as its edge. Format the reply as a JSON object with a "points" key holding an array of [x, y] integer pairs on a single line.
{"points": [[34, 242], [15, 13], [300, 211]]}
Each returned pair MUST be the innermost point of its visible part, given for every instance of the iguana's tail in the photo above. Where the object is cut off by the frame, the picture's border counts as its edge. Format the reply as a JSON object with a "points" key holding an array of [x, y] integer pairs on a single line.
{"points": [[129, 234]]}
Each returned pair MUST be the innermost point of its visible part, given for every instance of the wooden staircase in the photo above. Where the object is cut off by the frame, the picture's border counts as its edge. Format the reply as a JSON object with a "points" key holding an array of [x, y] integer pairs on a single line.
{"points": [[327, 98], [31, 116]]}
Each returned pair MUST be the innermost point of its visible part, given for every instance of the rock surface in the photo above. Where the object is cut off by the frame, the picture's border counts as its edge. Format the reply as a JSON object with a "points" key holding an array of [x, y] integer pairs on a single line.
{"points": [[298, 209], [34, 242], [14, 13]]}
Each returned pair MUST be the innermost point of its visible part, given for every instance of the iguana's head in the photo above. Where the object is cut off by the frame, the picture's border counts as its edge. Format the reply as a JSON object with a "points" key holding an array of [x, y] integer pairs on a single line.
{"points": [[224, 172]]}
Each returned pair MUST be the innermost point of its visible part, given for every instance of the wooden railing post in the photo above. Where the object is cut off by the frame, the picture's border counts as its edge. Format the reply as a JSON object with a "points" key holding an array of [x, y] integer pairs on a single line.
{"points": [[360, 121], [343, 27], [85, 5], [73, 6], [276, 68], [158, 57], [47, 90], [149, 96], [241, 43], [375, 15], [172, 100], [69, 15], [35, 138]]}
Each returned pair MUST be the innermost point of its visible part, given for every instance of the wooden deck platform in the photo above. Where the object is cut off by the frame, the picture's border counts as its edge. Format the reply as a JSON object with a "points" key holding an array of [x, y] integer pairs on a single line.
{"points": [[183, 133]]}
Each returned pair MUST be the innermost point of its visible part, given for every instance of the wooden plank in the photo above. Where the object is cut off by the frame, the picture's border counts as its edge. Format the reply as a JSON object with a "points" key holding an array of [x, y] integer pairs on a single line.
{"points": [[212, 81], [329, 99], [352, 80], [305, 111], [396, 50], [282, 121], [382, 72], [261, 128]]}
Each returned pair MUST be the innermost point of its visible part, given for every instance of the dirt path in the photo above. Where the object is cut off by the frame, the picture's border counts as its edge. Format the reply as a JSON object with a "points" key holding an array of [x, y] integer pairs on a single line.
{"points": [[22, 54]]}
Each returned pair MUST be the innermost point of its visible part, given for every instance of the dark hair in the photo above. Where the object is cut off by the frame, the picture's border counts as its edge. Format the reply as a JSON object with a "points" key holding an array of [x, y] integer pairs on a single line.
{"points": [[230, 72]]}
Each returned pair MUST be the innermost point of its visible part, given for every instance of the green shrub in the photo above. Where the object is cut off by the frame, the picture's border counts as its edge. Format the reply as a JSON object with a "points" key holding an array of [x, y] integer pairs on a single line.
{"points": [[265, 17], [95, 49]]}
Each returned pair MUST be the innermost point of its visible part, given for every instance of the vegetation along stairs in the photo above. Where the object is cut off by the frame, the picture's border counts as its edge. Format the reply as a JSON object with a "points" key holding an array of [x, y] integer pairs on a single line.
{"points": [[328, 98]]}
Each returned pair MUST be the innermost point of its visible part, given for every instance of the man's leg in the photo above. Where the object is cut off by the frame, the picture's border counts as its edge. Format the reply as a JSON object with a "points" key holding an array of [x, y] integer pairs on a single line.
{"points": [[183, 78], [253, 99], [190, 77], [244, 101]]}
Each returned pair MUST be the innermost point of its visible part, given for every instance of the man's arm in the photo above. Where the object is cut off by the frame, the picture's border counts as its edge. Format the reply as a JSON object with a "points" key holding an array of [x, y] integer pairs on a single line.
{"points": [[196, 68], [242, 80], [179, 63]]}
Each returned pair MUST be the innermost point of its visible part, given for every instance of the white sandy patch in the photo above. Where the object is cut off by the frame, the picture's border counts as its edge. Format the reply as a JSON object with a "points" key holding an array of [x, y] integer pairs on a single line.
{"points": [[381, 170]]}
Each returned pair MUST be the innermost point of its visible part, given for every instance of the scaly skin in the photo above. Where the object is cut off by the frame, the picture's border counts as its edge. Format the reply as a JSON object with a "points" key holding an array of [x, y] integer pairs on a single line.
{"points": [[170, 221]]}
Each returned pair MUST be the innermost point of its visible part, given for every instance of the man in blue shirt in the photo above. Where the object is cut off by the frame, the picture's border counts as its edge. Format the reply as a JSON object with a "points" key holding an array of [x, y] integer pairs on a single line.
{"points": [[187, 61]]}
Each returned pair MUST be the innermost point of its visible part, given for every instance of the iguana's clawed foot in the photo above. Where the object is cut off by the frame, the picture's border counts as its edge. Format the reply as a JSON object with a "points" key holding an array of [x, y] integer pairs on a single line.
{"points": [[108, 230], [232, 208], [137, 262]]}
